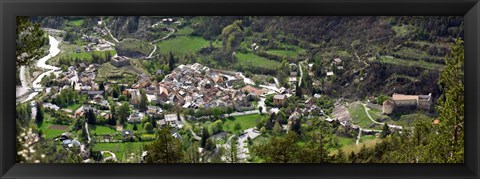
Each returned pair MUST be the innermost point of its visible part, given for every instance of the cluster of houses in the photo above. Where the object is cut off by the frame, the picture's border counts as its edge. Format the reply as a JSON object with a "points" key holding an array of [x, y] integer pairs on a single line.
{"points": [[197, 86]]}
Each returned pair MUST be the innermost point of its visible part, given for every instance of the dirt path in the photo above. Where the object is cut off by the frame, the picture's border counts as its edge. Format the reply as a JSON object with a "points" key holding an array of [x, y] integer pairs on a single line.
{"points": [[113, 157]]}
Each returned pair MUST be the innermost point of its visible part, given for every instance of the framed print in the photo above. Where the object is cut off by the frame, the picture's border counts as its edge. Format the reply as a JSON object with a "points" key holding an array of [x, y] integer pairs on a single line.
{"points": [[158, 89]]}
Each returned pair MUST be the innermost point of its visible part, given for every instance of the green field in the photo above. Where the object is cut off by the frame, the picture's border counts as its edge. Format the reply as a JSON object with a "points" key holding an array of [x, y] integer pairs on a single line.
{"points": [[251, 59], [49, 131], [359, 117], [101, 130], [287, 53], [76, 22], [409, 119], [121, 149], [108, 71], [364, 138], [247, 121], [129, 126], [89, 55], [403, 30], [185, 31], [182, 45], [135, 45], [410, 63]]}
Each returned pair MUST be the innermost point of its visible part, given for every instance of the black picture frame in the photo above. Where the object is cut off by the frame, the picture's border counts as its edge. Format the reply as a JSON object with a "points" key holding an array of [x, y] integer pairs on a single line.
{"points": [[470, 9]]}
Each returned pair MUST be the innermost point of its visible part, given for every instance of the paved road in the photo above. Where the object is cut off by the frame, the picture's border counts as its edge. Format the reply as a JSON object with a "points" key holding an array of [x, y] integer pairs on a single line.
{"points": [[88, 133], [261, 103], [163, 38], [244, 113], [246, 80], [242, 148], [359, 135], [108, 30]]}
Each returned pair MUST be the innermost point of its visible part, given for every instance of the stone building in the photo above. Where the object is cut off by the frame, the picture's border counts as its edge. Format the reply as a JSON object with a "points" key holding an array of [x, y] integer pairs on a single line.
{"points": [[119, 61], [388, 106], [401, 100]]}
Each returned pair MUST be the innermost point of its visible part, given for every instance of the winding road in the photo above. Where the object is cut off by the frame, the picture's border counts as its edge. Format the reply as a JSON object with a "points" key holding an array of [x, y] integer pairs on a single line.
{"points": [[163, 38], [368, 114]]}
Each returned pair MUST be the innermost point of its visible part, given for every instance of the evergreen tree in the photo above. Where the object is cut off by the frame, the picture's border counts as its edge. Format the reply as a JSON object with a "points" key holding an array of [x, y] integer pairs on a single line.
{"points": [[165, 149], [40, 113], [451, 107], [385, 131], [205, 136], [277, 128], [171, 61], [143, 101]]}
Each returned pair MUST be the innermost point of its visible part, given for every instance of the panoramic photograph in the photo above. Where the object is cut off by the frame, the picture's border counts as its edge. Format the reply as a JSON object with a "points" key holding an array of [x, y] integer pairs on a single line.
{"points": [[239, 89]]}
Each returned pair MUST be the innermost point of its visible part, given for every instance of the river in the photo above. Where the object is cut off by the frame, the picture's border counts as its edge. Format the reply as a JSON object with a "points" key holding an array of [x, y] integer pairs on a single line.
{"points": [[53, 51]]}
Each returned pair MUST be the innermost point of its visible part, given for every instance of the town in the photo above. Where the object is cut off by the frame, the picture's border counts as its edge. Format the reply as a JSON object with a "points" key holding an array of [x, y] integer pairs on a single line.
{"points": [[100, 99]]}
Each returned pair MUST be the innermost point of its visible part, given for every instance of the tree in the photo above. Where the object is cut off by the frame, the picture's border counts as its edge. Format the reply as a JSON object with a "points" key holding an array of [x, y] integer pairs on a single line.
{"points": [[143, 101], [192, 155], [171, 61], [237, 127], [205, 136], [30, 39], [281, 117], [385, 131], [123, 112], [135, 126], [40, 113], [263, 130], [91, 117], [165, 149], [451, 107], [269, 124], [277, 128], [217, 126], [296, 126], [340, 157], [231, 153], [217, 112], [210, 145], [279, 149], [149, 127]]}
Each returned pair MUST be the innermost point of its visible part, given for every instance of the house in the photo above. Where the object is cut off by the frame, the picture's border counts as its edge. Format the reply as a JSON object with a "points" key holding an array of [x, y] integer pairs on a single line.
{"points": [[292, 80], [279, 100], [135, 117], [92, 94], [154, 110], [98, 98], [119, 61], [171, 119], [82, 66], [337, 61]]}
